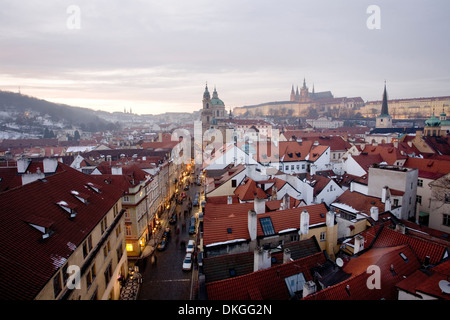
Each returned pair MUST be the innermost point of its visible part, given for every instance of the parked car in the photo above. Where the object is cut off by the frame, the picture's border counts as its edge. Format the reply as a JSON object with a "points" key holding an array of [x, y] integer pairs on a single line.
{"points": [[192, 225], [195, 202], [191, 246], [166, 233], [173, 218], [162, 245], [200, 259], [187, 262]]}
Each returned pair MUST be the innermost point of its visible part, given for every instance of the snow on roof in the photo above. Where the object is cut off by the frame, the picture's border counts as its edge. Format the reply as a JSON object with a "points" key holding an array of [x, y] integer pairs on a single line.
{"points": [[345, 207]]}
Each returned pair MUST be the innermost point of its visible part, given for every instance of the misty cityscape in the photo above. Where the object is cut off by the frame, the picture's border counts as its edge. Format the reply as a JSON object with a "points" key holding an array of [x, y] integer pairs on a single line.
{"points": [[227, 151]]}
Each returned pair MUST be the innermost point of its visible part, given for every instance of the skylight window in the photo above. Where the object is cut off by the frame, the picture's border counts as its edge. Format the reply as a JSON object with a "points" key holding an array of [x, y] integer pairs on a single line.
{"points": [[404, 257], [69, 208], [41, 224], [267, 226], [80, 196], [295, 283], [94, 187]]}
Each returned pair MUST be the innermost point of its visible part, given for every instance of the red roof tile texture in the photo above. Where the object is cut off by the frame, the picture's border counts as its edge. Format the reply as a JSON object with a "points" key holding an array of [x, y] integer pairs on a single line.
{"points": [[27, 261], [219, 218], [392, 269], [267, 284]]}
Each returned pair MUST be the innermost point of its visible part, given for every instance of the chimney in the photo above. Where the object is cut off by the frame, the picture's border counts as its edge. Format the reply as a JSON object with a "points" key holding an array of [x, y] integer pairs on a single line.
{"points": [[400, 227], [262, 259], [252, 227], [22, 165], [388, 205], [259, 205], [304, 222], [359, 244], [330, 219], [116, 170], [286, 201], [374, 213], [229, 200], [50, 165], [385, 194], [274, 192], [309, 287], [287, 255]]}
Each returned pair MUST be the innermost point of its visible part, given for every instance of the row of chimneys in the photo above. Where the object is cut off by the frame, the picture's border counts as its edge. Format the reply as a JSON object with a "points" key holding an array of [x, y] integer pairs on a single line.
{"points": [[304, 222]]}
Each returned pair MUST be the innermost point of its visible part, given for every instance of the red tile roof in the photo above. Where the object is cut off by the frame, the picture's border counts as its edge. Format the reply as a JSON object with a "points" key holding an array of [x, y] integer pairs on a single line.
{"points": [[218, 218], [249, 190], [366, 161], [356, 288], [427, 282], [388, 152], [429, 168], [335, 142], [359, 202], [267, 284], [422, 248], [27, 261]]}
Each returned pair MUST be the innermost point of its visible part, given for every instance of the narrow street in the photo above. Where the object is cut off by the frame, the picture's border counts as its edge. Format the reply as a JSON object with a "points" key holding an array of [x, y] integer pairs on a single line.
{"points": [[163, 276]]}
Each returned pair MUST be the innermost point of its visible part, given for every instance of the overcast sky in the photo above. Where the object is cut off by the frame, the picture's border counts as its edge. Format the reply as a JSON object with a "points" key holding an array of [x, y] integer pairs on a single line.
{"points": [[156, 56]]}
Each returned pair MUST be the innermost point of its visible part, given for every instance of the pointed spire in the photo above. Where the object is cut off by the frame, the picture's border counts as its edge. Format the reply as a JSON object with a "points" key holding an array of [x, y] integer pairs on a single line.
{"points": [[304, 83], [384, 105], [206, 93], [292, 90], [215, 94]]}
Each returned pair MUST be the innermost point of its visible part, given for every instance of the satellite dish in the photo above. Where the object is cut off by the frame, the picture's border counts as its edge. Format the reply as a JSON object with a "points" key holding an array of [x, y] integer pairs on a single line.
{"points": [[339, 262], [445, 286]]}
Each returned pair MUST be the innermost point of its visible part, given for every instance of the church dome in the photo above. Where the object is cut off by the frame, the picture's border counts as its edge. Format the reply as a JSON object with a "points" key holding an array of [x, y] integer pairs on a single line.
{"points": [[433, 121], [217, 102]]}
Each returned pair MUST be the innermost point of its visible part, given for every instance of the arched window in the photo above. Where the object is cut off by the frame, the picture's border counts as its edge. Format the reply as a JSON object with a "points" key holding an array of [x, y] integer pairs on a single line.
{"points": [[207, 106]]}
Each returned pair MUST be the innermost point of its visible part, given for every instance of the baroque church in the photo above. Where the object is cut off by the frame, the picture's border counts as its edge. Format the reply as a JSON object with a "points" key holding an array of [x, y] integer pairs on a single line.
{"points": [[213, 111]]}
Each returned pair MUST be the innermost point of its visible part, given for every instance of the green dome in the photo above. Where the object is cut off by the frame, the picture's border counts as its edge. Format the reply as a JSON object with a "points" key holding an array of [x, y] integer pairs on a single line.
{"points": [[217, 102], [433, 121]]}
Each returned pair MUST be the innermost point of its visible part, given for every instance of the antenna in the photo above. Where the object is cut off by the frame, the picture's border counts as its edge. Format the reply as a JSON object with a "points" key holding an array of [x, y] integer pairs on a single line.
{"points": [[445, 286]]}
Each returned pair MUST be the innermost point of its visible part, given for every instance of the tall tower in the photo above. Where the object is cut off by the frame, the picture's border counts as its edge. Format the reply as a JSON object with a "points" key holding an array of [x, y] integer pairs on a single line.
{"points": [[213, 111], [292, 94], [384, 120], [304, 94], [206, 110]]}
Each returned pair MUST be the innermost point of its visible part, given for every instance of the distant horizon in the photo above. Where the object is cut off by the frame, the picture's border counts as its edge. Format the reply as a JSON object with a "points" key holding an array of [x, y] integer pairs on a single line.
{"points": [[127, 109]]}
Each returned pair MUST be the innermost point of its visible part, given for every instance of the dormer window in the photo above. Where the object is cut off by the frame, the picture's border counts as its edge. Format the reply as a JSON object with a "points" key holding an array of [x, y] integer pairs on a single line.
{"points": [[80, 196], [94, 187], [41, 224], [69, 208]]}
